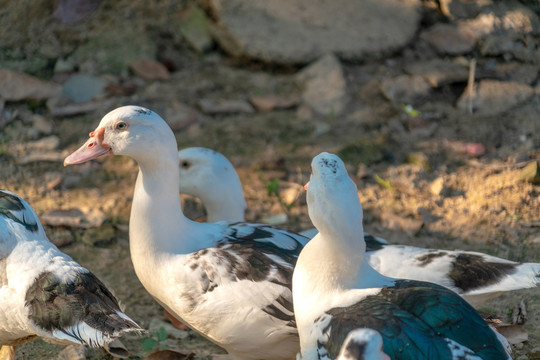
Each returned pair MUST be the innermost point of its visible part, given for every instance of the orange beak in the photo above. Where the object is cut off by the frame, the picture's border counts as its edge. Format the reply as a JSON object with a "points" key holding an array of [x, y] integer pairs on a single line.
{"points": [[306, 186], [91, 149]]}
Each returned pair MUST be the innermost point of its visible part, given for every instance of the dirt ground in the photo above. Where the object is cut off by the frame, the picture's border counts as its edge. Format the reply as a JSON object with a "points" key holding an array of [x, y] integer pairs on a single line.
{"points": [[416, 181]]}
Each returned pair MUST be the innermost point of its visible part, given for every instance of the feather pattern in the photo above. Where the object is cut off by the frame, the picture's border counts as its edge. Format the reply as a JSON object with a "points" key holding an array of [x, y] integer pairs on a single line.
{"points": [[477, 277], [46, 293]]}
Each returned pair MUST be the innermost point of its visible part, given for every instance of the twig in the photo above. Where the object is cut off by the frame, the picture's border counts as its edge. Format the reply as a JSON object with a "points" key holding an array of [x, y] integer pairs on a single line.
{"points": [[470, 91]]}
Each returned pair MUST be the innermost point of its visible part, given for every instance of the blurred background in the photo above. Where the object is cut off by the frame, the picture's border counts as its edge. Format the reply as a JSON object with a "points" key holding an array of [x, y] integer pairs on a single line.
{"points": [[433, 106]]}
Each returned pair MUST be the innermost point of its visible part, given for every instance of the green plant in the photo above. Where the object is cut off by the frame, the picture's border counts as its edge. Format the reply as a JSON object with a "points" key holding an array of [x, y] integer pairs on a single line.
{"points": [[384, 183], [155, 342], [272, 187]]}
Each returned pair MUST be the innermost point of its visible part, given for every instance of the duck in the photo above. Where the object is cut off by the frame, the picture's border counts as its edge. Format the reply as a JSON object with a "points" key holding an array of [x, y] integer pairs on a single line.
{"points": [[45, 294], [229, 282], [477, 277], [362, 344], [210, 176], [335, 290]]}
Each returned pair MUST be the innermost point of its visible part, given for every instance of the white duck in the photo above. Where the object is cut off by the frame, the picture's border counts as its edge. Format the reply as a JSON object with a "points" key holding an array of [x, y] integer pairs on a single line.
{"points": [[210, 176], [362, 344], [229, 282], [44, 293], [335, 290], [477, 277]]}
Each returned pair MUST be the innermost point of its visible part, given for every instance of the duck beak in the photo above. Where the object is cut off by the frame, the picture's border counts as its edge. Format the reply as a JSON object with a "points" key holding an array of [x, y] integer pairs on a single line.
{"points": [[306, 186], [92, 148]]}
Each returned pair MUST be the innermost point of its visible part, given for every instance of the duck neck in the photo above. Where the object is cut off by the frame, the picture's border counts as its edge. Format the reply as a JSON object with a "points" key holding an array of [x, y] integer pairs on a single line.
{"points": [[156, 221], [225, 207]]}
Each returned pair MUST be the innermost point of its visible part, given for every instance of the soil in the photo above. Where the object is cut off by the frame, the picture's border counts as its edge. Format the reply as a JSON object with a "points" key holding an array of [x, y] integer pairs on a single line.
{"points": [[417, 183]]}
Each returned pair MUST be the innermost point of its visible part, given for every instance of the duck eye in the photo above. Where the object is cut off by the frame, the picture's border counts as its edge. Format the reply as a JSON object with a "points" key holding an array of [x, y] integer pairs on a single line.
{"points": [[185, 164], [120, 126]]}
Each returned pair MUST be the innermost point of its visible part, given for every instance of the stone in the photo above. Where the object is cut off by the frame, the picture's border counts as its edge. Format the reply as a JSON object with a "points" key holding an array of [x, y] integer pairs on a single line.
{"points": [[324, 86], [111, 48], [73, 352], [272, 102], [180, 116], [518, 72], [222, 106], [449, 39], [195, 29], [170, 355], [53, 156], [406, 89], [98, 235], [150, 70], [438, 72], [61, 237], [72, 11], [60, 111], [300, 31], [43, 125], [74, 218], [18, 86], [493, 97], [83, 88]]}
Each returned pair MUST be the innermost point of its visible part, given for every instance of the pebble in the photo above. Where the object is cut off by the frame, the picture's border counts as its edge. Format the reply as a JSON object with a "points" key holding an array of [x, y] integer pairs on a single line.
{"points": [[18, 86], [82, 88], [324, 86], [449, 39], [150, 70], [73, 352], [272, 102], [214, 107], [494, 97], [406, 89]]}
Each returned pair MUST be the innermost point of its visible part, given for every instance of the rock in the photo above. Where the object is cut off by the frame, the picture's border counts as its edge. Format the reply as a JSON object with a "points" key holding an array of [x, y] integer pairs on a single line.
{"points": [[300, 31], [406, 89], [517, 72], [494, 97], [436, 186], [180, 116], [73, 218], [83, 88], [271, 102], [45, 144], [98, 235], [156, 324], [439, 72], [77, 109], [18, 86], [398, 223], [195, 29], [150, 70], [61, 238], [460, 9], [73, 352], [449, 39], [530, 173], [43, 125], [53, 156], [324, 86], [111, 47], [170, 355], [221, 106], [72, 11]]}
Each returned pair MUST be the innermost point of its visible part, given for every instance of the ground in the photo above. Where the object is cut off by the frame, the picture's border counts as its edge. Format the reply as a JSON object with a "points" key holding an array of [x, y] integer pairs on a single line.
{"points": [[418, 183]]}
